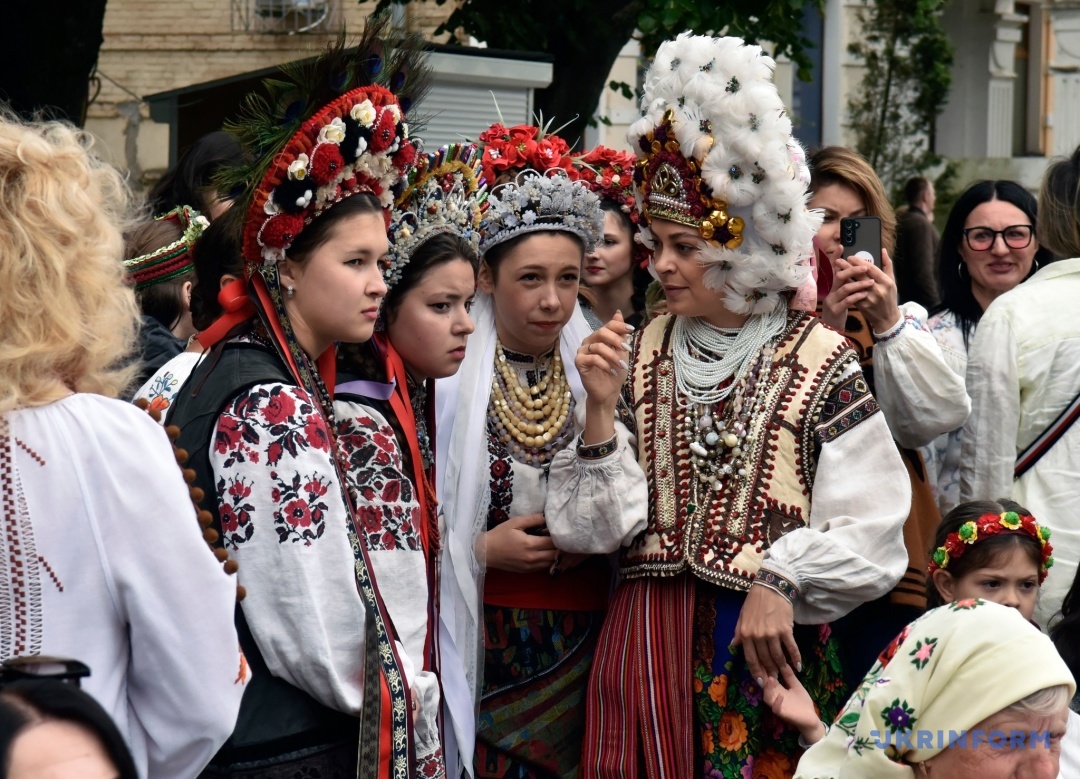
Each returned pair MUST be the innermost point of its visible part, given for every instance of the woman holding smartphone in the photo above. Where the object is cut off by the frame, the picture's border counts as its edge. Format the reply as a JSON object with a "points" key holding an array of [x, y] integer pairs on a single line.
{"points": [[921, 397]]}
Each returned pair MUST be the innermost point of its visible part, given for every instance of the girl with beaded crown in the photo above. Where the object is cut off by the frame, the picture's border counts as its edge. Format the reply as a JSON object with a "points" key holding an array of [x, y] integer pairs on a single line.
{"points": [[749, 417], [523, 614], [334, 692], [384, 404]]}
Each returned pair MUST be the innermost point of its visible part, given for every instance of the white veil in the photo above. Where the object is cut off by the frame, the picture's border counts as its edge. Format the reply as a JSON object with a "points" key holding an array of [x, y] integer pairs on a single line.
{"points": [[463, 487]]}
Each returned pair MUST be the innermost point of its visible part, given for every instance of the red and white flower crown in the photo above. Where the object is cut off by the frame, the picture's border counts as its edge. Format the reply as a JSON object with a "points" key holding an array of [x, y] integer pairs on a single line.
{"points": [[357, 143]]}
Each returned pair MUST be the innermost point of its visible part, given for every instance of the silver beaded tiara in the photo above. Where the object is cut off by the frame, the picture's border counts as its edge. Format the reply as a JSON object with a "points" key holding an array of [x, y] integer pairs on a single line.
{"points": [[534, 203], [446, 193]]}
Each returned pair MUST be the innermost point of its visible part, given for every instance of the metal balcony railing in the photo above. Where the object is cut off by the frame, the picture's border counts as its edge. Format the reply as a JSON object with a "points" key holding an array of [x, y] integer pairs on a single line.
{"points": [[283, 17]]}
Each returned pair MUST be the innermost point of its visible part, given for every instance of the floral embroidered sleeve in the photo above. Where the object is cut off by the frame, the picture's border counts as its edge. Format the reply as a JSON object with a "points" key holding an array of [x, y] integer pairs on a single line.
{"points": [[388, 519], [284, 520], [853, 550]]}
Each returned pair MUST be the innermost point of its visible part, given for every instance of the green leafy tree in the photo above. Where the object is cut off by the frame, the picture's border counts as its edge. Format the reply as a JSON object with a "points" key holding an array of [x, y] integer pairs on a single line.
{"points": [[584, 37], [904, 88]]}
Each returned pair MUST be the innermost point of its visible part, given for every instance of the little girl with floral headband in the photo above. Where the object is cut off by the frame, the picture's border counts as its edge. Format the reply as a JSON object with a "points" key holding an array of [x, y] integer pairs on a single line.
{"points": [[989, 550]]}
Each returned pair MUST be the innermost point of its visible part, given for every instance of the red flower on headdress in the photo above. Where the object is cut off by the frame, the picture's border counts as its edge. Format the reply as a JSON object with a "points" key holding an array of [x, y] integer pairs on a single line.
{"points": [[326, 163], [548, 153], [497, 132], [405, 156], [382, 136], [280, 231], [522, 133]]}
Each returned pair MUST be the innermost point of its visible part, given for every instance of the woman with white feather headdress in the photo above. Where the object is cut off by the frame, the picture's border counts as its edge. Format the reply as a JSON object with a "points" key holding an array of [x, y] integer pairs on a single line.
{"points": [[747, 413]]}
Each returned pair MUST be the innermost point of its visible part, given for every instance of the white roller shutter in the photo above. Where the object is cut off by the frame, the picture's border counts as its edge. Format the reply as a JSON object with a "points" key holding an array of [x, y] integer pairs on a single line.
{"points": [[455, 112]]}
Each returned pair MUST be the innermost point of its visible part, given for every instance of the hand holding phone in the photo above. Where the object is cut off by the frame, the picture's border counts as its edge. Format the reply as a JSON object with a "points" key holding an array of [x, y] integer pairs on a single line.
{"points": [[861, 234]]}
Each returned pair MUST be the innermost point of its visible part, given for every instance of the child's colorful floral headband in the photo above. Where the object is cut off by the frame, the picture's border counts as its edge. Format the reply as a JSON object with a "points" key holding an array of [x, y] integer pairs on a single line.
{"points": [[971, 532]]}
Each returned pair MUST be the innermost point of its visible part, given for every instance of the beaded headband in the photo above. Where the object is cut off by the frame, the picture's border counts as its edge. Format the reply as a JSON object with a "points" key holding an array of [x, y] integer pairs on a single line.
{"points": [[1008, 523], [536, 203], [610, 174], [172, 261], [715, 152], [446, 193]]}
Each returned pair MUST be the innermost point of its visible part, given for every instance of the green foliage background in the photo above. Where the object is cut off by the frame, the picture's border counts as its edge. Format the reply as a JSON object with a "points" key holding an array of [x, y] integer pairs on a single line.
{"points": [[584, 37], [905, 87]]}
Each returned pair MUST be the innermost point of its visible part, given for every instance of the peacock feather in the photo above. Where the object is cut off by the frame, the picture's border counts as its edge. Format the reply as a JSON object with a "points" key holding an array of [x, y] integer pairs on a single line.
{"points": [[270, 117]]}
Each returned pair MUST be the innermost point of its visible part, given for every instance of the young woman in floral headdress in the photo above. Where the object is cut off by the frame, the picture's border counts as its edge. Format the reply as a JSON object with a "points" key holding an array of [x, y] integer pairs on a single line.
{"points": [[749, 418], [524, 616], [334, 692], [616, 272]]}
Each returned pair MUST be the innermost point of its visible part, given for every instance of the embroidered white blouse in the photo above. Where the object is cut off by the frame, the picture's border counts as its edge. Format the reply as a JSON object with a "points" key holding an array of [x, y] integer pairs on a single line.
{"points": [[104, 562], [1023, 371], [160, 389], [942, 455], [851, 551], [284, 520]]}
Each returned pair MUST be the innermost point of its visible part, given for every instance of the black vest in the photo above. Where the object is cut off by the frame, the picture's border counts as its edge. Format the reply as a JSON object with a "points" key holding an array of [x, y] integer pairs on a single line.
{"points": [[275, 717]]}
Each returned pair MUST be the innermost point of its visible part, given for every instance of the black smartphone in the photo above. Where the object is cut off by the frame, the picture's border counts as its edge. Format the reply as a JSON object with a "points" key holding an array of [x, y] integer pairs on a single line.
{"points": [[861, 234]]}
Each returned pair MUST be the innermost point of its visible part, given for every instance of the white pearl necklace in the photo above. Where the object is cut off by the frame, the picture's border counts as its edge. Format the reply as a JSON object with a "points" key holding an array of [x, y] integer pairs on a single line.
{"points": [[707, 356]]}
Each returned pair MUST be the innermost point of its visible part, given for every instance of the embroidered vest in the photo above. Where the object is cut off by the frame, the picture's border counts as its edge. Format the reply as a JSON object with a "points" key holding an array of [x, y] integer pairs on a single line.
{"points": [[721, 537]]}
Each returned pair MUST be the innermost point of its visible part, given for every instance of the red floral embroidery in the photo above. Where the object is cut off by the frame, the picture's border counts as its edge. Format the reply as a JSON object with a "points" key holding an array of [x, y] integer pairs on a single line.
{"points": [[274, 422], [431, 766], [303, 515], [234, 512], [236, 439], [279, 407], [387, 511]]}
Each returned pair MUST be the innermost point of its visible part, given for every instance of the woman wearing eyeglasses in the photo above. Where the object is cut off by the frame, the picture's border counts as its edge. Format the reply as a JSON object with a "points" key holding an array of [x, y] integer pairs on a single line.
{"points": [[988, 247], [1023, 375]]}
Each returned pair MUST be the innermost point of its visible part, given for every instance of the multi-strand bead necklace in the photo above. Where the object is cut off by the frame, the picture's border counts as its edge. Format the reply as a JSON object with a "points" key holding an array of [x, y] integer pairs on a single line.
{"points": [[706, 358], [533, 421]]}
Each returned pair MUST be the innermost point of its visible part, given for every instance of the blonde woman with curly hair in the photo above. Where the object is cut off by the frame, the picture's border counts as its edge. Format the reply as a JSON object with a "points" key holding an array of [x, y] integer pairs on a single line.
{"points": [[103, 558]]}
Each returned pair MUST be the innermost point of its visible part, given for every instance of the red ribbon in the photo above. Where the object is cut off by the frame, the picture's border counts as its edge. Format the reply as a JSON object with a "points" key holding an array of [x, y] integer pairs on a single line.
{"points": [[238, 308]]}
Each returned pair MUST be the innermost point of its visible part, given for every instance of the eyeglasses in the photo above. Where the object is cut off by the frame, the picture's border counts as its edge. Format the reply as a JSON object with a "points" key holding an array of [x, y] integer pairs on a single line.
{"points": [[981, 239]]}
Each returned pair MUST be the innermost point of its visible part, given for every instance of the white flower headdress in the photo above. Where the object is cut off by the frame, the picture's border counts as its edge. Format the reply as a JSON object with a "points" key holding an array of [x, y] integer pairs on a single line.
{"points": [[534, 203], [716, 153]]}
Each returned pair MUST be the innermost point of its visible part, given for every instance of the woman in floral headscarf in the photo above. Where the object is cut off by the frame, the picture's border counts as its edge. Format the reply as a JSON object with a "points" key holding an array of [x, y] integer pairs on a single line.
{"points": [[942, 697]]}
